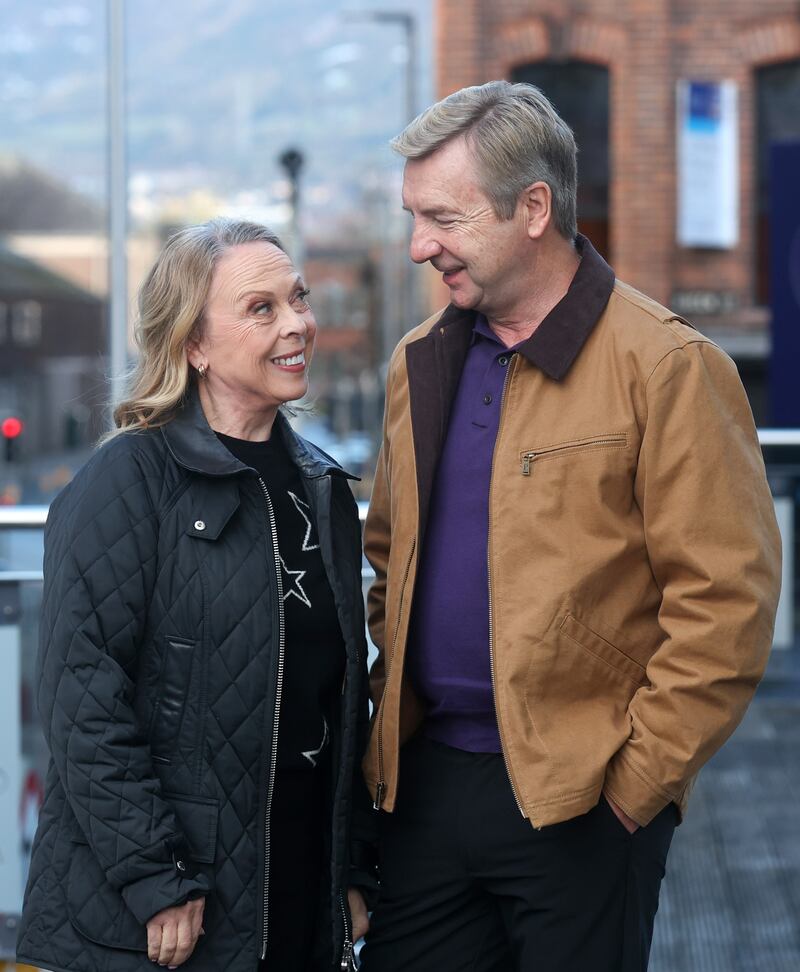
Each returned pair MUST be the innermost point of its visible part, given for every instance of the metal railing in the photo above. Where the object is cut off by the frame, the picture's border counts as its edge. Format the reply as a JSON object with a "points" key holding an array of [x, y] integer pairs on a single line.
{"points": [[786, 475], [34, 517]]}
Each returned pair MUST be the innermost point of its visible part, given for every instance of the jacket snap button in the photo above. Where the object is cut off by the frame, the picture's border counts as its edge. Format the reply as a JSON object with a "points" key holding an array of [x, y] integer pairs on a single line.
{"points": [[199, 525], [180, 865]]}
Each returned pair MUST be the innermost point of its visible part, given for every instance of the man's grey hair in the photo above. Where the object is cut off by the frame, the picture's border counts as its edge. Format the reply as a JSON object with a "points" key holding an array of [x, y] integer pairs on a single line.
{"points": [[516, 137]]}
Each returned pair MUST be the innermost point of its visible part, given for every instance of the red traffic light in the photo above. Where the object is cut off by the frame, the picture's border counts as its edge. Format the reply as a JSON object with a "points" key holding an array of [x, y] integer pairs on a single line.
{"points": [[11, 427]]}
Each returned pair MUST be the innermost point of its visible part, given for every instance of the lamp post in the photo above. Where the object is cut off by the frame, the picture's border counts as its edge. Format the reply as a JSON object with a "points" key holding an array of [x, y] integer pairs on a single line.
{"points": [[292, 161]]}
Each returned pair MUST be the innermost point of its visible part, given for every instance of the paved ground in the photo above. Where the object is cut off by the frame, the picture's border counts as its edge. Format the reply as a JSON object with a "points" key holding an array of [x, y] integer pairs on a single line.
{"points": [[731, 898]]}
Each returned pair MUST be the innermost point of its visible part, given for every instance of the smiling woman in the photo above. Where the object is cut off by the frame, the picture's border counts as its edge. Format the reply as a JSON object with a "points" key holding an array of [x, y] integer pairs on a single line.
{"points": [[202, 659], [255, 340]]}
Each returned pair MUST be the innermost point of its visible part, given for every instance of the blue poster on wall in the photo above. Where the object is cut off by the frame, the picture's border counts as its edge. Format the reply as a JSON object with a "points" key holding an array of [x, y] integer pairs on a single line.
{"points": [[784, 377], [708, 170], [704, 114]]}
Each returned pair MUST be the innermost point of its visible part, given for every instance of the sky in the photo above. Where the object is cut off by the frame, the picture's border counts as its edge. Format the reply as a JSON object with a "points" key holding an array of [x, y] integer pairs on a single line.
{"points": [[215, 93]]}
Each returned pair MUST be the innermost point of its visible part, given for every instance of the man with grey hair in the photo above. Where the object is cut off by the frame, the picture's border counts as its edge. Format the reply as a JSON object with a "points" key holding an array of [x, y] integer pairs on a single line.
{"points": [[577, 569]]}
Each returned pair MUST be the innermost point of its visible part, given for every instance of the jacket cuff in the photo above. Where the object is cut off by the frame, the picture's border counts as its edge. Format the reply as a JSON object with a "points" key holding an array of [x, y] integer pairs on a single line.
{"points": [[367, 884], [639, 796], [364, 871], [183, 880], [147, 896]]}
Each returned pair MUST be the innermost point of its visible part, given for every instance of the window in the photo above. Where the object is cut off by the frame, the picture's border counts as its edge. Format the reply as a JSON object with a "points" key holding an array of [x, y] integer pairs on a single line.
{"points": [[777, 100], [579, 93], [26, 322]]}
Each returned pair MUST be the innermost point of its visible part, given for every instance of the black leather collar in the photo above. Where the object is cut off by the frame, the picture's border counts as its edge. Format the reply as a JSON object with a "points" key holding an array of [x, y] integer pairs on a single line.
{"points": [[193, 445]]}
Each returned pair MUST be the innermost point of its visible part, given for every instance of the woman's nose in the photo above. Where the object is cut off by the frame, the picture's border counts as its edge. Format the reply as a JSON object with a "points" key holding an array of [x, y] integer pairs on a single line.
{"points": [[294, 323]]}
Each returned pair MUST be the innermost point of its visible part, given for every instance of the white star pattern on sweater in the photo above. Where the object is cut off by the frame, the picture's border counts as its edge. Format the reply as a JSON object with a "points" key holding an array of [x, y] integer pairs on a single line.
{"points": [[312, 754], [301, 507], [294, 586]]}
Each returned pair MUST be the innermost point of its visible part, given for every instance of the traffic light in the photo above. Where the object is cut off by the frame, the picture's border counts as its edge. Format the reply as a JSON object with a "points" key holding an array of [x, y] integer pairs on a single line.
{"points": [[11, 428]]}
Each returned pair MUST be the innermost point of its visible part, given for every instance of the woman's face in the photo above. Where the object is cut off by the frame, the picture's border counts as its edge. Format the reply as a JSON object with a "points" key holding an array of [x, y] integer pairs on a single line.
{"points": [[258, 333]]}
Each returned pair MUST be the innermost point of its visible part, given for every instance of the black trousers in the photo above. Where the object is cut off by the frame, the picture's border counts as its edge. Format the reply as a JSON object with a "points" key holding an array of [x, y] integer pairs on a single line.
{"points": [[297, 870], [468, 885]]}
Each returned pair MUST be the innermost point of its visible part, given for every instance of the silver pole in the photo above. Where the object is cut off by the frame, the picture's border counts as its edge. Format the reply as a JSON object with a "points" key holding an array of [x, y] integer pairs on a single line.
{"points": [[411, 67], [410, 303], [117, 200]]}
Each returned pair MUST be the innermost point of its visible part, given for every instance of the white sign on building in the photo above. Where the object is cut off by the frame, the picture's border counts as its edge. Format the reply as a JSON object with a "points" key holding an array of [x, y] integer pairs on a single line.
{"points": [[708, 164]]}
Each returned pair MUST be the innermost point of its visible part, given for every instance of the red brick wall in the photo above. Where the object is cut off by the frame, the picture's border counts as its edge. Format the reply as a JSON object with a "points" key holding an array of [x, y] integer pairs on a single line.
{"points": [[647, 46]]}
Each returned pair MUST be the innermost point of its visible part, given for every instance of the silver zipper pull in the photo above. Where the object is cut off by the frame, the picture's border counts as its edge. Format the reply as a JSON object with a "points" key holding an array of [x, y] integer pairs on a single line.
{"points": [[348, 963], [379, 791], [527, 459]]}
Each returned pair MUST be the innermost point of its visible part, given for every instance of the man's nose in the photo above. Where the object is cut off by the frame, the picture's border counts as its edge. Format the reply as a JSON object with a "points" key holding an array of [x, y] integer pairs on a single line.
{"points": [[423, 246]]}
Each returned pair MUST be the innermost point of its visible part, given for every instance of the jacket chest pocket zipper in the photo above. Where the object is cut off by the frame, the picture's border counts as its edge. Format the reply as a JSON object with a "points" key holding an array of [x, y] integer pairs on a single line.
{"points": [[614, 441]]}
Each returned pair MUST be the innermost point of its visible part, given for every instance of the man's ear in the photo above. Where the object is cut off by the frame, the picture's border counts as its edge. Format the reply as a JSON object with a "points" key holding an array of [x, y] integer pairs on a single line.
{"points": [[538, 202]]}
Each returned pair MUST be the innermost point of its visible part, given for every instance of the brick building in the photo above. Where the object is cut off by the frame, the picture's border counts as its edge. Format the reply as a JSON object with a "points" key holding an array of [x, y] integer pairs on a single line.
{"points": [[612, 68]]}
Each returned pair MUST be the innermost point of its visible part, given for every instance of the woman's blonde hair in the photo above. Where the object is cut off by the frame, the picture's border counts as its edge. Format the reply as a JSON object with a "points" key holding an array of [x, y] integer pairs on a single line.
{"points": [[172, 300]]}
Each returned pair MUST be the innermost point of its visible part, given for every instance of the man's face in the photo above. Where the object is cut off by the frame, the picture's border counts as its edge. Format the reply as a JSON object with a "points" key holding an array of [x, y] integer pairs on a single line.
{"points": [[482, 259]]}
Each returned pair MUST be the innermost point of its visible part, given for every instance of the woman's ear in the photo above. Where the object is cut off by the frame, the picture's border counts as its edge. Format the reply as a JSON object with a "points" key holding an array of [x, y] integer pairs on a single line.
{"points": [[193, 353]]}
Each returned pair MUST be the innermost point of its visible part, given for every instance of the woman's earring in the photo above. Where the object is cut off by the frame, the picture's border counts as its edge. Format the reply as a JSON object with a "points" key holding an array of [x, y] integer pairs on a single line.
{"points": [[201, 370]]}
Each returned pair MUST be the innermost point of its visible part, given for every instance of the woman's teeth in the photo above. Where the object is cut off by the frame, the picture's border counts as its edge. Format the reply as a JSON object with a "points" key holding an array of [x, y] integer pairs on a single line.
{"points": [[295, 359]]}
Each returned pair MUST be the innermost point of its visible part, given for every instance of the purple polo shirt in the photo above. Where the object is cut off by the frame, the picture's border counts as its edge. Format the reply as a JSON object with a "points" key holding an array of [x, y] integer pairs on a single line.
{"points": [[448, 656]]}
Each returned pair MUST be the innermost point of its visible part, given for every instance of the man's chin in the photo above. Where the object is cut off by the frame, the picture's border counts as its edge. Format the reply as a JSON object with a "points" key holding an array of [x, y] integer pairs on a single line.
{"points": [[462, 300]]}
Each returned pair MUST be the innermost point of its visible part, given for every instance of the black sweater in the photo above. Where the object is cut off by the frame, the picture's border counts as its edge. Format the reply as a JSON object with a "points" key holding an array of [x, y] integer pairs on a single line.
{"points": [[314, 648]]}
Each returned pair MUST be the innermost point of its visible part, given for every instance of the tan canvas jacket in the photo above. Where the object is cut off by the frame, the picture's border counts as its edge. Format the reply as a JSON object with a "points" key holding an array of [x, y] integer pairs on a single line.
{"points": [[634, 557]]}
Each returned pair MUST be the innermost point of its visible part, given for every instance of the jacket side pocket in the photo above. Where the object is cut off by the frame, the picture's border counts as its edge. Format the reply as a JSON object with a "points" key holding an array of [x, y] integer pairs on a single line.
{"points": [[198, 819], [592, 642]]}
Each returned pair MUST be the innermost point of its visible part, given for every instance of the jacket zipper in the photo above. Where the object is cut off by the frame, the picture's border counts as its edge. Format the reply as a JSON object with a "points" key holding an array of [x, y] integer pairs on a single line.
{"points": [[347, 963], [511, 367], [381, 787], [276, 717], [530, 457]]}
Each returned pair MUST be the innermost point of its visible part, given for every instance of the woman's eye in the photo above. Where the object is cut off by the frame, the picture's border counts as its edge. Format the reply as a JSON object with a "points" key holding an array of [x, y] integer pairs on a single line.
{"points": [[301, 297], [262, 309]]}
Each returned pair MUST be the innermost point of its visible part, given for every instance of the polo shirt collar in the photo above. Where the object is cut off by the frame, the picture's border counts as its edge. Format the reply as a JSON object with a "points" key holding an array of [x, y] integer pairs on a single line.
{"points": [[482, 329]]}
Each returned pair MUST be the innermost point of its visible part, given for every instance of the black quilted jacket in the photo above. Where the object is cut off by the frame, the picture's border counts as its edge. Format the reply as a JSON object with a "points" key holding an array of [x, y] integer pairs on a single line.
{"points": [[158, 677]]}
